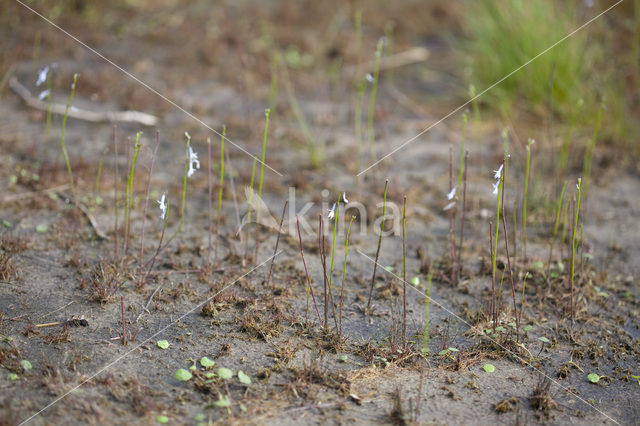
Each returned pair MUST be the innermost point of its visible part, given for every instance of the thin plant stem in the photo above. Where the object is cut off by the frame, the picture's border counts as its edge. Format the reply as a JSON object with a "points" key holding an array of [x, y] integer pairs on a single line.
{"points": [[152, 260], [573, 246], [372, 98], [306, 271], [555, 226], [588, 155], [451, 242], [344, 270], [495, 239], [124, 331], [47, 134], [64, 127], [492, 305], [462, 218], [404, 274], [146, 198], [267, 113], [220, 191], [327, 284], [333, 243], [209, 201], [253, 175], [130, 180], [384, 205], [275, 250], [427, 302], [506, 244], [524, 197], [96, 188], [463, 152], [115, 191], [358, 125]]}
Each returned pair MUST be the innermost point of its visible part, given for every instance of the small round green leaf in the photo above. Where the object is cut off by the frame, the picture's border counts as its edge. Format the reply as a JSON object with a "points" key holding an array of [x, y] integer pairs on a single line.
{"points": [[13, 376], [206, 362], [182, 375], [489, 368], [415, 281], [26, 364], [243, 378], [42, 228], [163, 344], [593, 378], [162, 419], [224, 373], [544, 339]]}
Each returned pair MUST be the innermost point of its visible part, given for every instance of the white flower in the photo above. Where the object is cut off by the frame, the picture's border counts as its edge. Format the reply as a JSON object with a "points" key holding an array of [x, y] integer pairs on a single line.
{"points": [[449, 206], [73, 108], [163, 206], [193, 159], [332, 212], [452, 193], [496, 186], [42, 76], [497, 173], [369, 78], [44, 94], [344, 198]]}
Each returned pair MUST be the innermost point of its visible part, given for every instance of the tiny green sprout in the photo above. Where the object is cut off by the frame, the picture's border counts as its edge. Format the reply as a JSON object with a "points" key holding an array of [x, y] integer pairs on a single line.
{"points": [[489, 368], [206, 362], [446, 351], [243, 378], [199, 417], [527, 328], [182, 375], [500, 329], [415, 281], [13, 377], [243, 408], [388, 268], [163, 344], [26, 365], [162, 419], [224, 373], [192, 368], [13, 179], [209, 374], [593, 377], [537, 265], [6, 223], [637, 378], [54, 196], [544, 339], [222, 402], [343, 358], [42, 228]]}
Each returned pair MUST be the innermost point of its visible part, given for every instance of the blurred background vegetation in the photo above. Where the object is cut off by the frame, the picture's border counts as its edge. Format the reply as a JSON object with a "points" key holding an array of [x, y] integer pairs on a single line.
{"points": [[482, 40]]}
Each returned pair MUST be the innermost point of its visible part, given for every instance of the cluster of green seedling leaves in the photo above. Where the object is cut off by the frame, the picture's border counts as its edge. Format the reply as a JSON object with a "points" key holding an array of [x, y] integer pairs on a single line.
{"points": [[26, 366], [208, 376]]}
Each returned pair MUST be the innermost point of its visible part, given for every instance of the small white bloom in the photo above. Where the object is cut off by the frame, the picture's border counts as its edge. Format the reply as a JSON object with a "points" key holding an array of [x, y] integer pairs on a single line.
{"points": [[344, 198], [44, 94], [73, 108], [193, 160], [496, 186], [497, 173], [452, 193], [332, 212], [369, 78], [42, 76], [449, 206], [163, 205]]}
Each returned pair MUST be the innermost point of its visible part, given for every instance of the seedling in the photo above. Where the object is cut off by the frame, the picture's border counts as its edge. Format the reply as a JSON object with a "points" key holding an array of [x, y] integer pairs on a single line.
{"points": [[162, 419], [206, 362], [593, 377], [573, 247], [489, 368], [163, 344], [182, 375]]}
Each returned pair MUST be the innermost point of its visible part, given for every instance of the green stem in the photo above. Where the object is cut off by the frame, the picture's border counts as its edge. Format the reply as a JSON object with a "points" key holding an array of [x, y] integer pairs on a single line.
{"points": [[384, 205], [344, 269], [372, 98], [427, 302], [573, 246], [524, 197], [64, 127]]}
